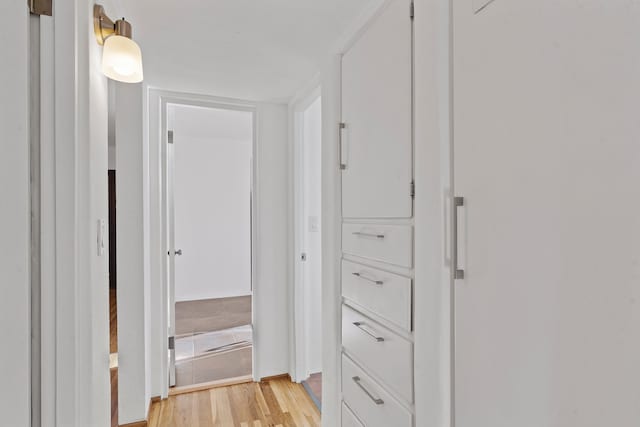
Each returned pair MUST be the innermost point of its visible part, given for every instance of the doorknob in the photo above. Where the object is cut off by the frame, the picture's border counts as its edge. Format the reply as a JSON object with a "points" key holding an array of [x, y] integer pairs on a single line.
{"points": [[179, 252]]}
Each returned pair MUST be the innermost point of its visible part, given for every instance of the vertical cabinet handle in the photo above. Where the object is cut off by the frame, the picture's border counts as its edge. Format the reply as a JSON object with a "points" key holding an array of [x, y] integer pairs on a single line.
{"points": [[343, 148], [458, 202]]}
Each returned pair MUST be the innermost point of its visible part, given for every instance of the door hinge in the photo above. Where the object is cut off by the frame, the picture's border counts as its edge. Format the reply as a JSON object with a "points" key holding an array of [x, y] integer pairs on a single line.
{"points": [[172, 343], [412, 10], [413, 189], [41, 7], [170, 137]]}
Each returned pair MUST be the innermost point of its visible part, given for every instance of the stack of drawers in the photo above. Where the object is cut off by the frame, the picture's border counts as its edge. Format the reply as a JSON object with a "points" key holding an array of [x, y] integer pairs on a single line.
{"points": [[377, 185], [377, 313]]}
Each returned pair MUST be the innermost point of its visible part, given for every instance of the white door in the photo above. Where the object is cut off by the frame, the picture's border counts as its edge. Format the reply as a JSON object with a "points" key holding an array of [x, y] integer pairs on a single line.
{"points": [[172, 252], [15, 306], [377, 148], [547, 158], [308, 245]]}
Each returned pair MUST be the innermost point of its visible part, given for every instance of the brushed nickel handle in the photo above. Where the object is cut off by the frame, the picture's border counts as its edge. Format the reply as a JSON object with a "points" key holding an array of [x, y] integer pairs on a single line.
{"points": [[360, 325], [363, 234], [458, 202], [343, 154], [377, 282], [376, 400]]}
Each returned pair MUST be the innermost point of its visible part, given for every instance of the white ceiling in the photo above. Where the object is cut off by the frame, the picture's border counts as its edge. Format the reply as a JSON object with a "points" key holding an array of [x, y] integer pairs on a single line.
{"points": [[246, 49]]}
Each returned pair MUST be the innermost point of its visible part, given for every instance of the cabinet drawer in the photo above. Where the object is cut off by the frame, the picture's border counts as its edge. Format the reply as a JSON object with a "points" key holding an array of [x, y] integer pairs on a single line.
{"points": [[386, 354], [392, 244], [348, 418], [386, 294], [373, 405]]}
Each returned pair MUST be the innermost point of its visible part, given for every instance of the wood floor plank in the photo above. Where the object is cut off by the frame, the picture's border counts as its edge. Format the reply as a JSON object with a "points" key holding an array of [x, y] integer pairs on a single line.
{"points": [[269, 404]]}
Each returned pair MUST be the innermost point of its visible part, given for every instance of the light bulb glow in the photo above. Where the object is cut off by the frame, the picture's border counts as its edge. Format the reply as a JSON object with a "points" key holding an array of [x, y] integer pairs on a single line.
{"points": [[122, 60]]}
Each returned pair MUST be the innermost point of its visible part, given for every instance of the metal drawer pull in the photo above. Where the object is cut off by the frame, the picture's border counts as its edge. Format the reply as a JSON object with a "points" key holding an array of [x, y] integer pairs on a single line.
{"points": [[377, 282], [360, 325], [376, 400], [362, 234]]}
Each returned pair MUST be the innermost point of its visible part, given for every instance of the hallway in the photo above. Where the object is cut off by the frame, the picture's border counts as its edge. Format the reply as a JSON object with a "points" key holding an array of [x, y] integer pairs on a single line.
{"points": [[277, 402]]}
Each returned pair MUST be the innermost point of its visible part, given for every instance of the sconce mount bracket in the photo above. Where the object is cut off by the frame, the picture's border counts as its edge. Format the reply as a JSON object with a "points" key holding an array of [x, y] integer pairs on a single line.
{"points": [[41, 7]]}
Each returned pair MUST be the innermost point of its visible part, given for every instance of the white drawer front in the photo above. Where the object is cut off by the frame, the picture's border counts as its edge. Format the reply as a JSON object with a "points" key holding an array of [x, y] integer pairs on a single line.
{"points": [[386, 294], [348, 418], [387, 355], [370, 402], [392, 244]]}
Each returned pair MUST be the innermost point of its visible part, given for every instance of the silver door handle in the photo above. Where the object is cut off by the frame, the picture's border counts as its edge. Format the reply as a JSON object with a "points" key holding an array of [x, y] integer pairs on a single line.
{"points": [[178, 252], [458, 202], [360, 326], [363, 234], [376, 400], [343, 155], [377, 282]]}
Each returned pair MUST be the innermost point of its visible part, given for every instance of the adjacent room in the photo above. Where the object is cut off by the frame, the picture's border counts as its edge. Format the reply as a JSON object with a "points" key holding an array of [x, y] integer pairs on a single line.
{"points": [[210, 170]]}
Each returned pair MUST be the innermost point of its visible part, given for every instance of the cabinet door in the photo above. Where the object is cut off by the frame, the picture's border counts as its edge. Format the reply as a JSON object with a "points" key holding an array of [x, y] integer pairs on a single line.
{"points": [[377, 114], [547, 157]]}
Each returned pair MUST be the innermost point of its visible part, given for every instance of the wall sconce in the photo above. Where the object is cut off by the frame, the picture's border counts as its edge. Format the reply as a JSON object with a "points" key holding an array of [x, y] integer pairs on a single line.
{"points": [[121, 57]]}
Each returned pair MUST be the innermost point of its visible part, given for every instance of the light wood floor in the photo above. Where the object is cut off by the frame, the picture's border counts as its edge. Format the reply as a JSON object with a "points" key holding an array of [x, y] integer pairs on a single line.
{"points": [[274, 403]]}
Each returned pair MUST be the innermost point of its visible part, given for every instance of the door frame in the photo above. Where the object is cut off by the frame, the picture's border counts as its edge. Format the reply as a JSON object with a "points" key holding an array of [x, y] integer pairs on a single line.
{"points": [[300, 369], [159, 101]]}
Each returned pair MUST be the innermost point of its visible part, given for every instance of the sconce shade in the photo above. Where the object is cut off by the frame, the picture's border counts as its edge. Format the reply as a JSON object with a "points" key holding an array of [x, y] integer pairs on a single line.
{"points": [[122, 59]]}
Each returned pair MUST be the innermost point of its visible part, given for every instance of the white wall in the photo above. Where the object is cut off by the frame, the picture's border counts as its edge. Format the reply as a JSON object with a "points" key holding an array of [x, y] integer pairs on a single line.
{"points": [[271, 290], [432, 327], [99, 389], [134, 379], [14, 228], [213, 170], [312, 140]]}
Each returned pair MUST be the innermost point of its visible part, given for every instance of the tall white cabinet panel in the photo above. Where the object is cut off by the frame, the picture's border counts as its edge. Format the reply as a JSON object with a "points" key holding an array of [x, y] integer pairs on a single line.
{"points": [[547, 157], [377, 115], [377, 227]]}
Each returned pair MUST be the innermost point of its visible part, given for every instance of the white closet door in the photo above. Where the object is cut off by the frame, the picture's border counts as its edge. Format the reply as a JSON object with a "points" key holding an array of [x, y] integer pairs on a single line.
{"points": [[547, 156], [377, 113]]}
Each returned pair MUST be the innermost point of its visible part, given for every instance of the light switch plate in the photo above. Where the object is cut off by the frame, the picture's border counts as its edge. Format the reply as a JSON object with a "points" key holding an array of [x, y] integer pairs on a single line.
{"points": [[102, 230], [314, 224]]}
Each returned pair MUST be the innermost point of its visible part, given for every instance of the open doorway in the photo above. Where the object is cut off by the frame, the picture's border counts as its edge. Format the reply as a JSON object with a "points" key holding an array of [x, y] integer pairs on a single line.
{"points": [[308, 242], [210, 174]]}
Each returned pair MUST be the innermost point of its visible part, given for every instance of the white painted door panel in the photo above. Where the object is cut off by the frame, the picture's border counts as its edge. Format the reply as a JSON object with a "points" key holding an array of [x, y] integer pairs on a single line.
{"points": [[386, 354], [370, 402], [386, 294], [377, 111], [348, 418], [392, 244], [546, 96]]}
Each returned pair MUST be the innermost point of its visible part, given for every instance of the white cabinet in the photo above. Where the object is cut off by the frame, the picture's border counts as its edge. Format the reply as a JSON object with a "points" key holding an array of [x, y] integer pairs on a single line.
{"points": [[377, 114], [376, 157], [386, 294], [392, 244], [369, 401], [385, 354], [547, 157]]}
